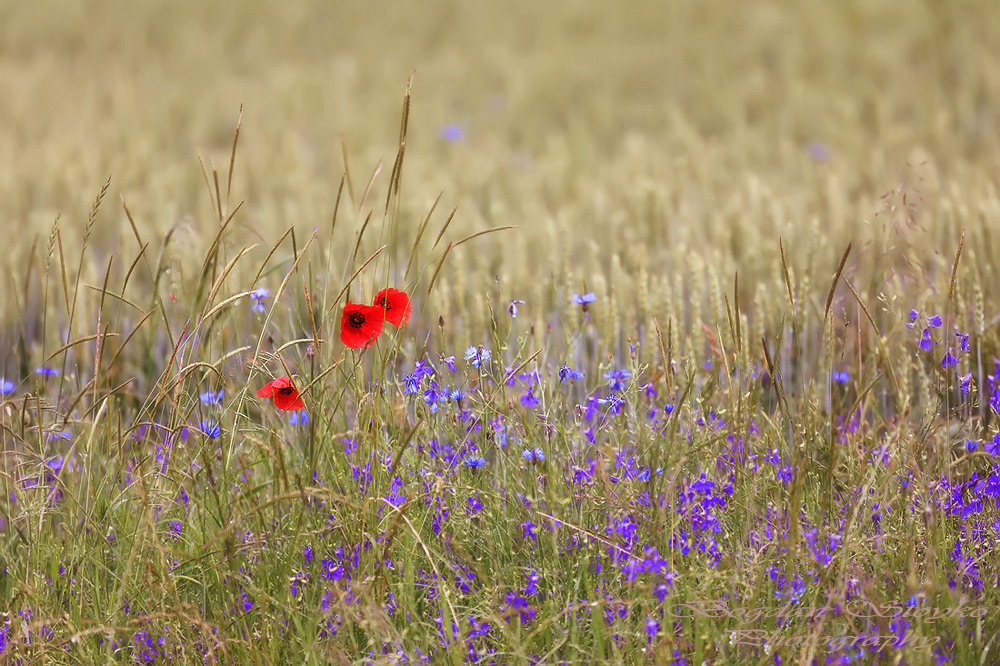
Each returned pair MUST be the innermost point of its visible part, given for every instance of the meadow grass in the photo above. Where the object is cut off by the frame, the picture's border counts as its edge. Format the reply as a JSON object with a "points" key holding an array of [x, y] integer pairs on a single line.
{"points": [[702, 365]]}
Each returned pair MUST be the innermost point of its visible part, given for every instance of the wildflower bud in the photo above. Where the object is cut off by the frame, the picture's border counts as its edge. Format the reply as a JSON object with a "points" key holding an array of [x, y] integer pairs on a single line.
{"points": [[441, 321]]}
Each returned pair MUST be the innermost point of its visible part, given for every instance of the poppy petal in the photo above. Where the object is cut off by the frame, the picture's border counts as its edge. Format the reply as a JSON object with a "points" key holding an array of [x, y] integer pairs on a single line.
{"points": [[266, 391], [396, 305], [361, 325], [288, 402]]}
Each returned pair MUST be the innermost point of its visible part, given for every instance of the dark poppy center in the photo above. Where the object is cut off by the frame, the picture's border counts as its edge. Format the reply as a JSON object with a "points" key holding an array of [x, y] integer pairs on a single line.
{"points": [[355, 320], [384, 302], [285, 390]]}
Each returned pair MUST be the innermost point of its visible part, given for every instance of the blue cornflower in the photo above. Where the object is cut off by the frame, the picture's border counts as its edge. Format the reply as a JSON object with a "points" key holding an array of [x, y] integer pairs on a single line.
{"points": [[614, 402], [6, 386], [477, 355], [567, 372], [963, 341], [475, 462], [512, 308], [842, 377], [412, 381], [210, 428], [258, 296], [616, 377], [949, 359], [46, 372], [55, 467], [535, 455], [532, 378], [298, 417], [500, 432], [452, 132], [211, 398], [585, 300], [457, 395], [934, 321], [60, 434], [433, 395]]}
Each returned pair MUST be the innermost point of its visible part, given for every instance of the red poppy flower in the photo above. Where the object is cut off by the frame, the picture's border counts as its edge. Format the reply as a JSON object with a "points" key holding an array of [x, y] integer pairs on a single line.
{"points": [[284, 394], [396, 305], [361, 325]]}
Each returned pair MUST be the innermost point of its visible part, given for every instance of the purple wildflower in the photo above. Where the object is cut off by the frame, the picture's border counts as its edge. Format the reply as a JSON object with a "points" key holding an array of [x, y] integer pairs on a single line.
{"points": [[925, 341], [258, 296], [567, 372], [452, 132]]}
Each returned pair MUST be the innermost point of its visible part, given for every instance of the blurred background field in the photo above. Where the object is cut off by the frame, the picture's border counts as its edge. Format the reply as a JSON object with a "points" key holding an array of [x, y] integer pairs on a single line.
{"points": [[642, 130], [645, 151]]}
